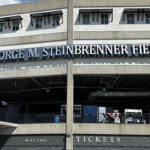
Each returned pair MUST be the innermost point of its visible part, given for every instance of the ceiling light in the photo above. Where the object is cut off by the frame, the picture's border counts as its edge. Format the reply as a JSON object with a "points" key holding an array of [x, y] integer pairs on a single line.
{"points": [[47, 90]]}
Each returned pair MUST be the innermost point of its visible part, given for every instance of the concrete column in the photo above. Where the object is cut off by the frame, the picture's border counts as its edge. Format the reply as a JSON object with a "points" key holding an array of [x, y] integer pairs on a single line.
{"points": [[70, 83], [70, 102], [70, 22]]}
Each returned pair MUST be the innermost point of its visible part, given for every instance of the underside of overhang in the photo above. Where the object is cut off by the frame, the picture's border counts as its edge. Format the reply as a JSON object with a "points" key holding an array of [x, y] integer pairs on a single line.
{"points": [[8, 125]]}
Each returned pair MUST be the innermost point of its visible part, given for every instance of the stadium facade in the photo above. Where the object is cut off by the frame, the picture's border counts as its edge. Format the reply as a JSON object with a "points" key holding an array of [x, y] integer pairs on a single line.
{"points": [[75, 74]]}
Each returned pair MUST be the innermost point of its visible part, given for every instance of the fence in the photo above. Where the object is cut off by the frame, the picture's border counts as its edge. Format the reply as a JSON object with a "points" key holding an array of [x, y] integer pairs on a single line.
{"points": [[119, 118], [31, 117]]}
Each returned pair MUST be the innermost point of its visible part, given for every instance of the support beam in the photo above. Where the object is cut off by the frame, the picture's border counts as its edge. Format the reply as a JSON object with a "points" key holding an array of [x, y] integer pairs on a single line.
{"points": [[93, 95], [120, 94], [70, 82], [70, 24], [69, 123]]}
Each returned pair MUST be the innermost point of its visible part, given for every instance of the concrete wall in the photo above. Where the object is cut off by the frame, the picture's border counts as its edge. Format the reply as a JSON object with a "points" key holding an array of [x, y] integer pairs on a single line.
{"points": [[48, 128], [33, 68], [111, 35], [80, 66], [33, 39], [116, 22], [32, 7], [116, 29], [29, 31], [82, 128], [114, 129], [109, 31], [106, 3], [115, 32], [57, 4], [112, 69], [113, 41]]}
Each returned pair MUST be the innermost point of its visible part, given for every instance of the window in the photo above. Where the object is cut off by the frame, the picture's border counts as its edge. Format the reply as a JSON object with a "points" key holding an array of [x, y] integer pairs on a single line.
{"points": [[104, 18], [86, 19], [38, 23], [130, 18], [147, 18], [1, 26], [56, 20], [16, 25]]}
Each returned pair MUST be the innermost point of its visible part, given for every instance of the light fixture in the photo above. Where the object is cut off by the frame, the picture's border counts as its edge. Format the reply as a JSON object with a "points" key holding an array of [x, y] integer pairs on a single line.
{"points": [[4, 103], [104, 89], [47, 90]]}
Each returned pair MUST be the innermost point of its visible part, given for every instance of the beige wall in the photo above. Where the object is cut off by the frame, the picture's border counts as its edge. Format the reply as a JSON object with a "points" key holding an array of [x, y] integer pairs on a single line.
{"points": [[86, 128], [118, 129], [32, 7], [106, 3]]}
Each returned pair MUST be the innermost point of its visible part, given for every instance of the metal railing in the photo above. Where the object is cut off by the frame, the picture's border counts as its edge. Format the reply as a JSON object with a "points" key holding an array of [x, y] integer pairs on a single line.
{"points": [[41, 118], [32, 118], [119, 118]]}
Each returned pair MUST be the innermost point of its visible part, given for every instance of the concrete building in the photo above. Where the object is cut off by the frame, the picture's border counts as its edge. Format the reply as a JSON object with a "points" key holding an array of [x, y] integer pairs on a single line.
{"points": [[56, 55]]}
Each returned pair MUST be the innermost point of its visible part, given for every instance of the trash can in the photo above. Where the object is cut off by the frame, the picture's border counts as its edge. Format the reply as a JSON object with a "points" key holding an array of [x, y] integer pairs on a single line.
{"points": [[56, 119]]}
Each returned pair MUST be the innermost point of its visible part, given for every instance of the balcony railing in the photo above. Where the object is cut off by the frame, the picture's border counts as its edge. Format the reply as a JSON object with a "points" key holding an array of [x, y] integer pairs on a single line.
{"points": [[32, 118], [119, 118]]}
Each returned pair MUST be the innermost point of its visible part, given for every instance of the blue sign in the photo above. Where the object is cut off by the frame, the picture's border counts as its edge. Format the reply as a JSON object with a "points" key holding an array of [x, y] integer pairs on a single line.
{"points": [[73, 51]]}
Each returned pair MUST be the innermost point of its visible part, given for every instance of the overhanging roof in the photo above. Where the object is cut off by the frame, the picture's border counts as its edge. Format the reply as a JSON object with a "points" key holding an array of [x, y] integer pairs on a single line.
{"points": [[46, 13], [136, 10], [95, 10], [11, 18]]}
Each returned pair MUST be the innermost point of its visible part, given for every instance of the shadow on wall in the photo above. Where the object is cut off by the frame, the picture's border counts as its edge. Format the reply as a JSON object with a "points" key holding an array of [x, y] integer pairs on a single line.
{"points": [[134, 19], [8, 28], [7, 131], [45, 24], [95, 21]]}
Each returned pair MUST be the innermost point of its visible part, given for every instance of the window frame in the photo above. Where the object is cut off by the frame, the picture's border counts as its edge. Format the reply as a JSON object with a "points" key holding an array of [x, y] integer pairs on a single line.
{"points": [[86, 18], [16, 24], [1, 27], [56, 20], [104, 19], [147, 18], [38, 23], [130, 18]]}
